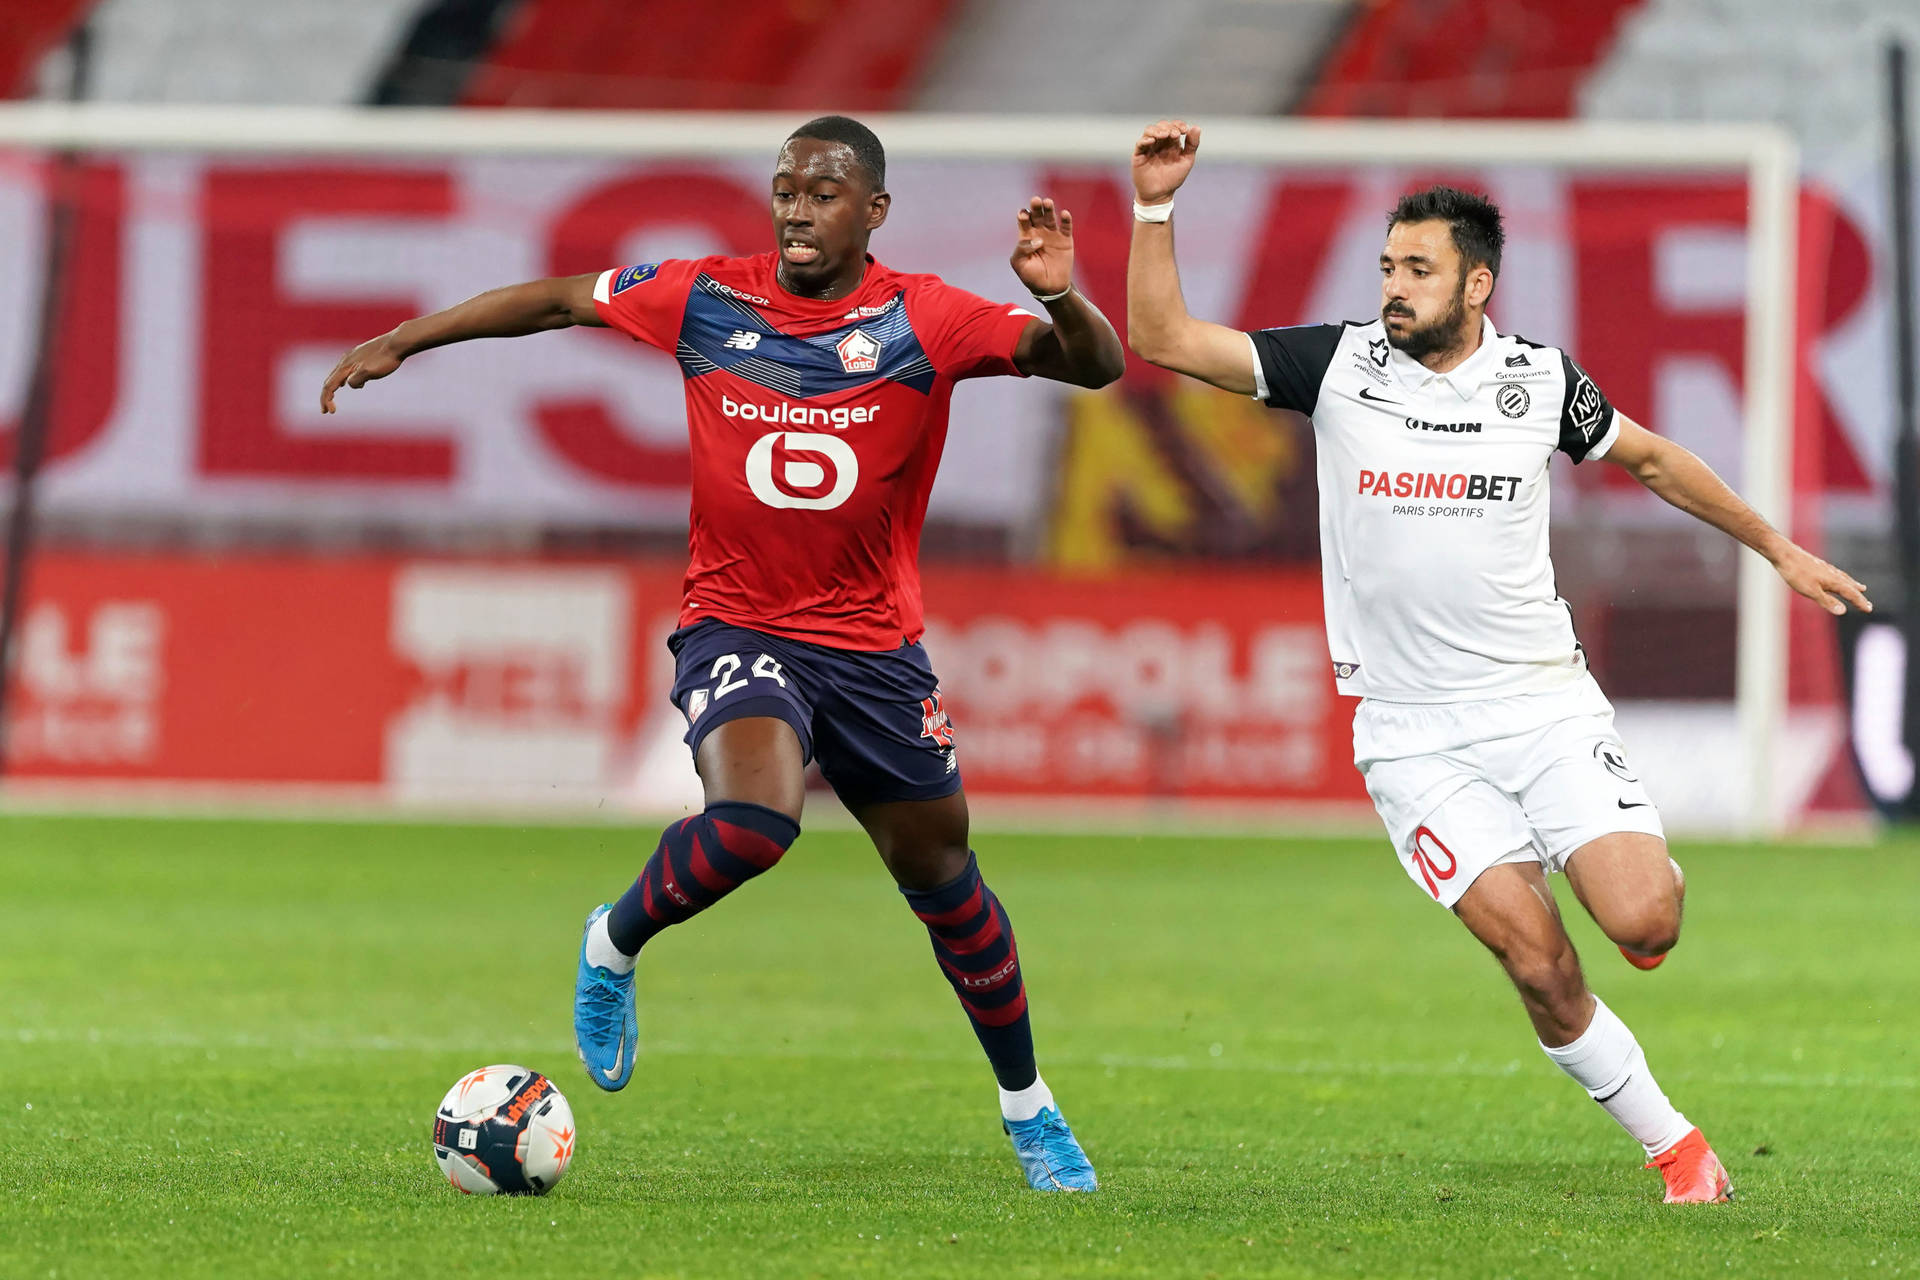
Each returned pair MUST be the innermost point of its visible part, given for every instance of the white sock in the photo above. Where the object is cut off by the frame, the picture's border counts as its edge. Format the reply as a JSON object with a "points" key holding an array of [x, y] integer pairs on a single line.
{"points": [[602, 952], [1609, 1065], [1025, 1104]]}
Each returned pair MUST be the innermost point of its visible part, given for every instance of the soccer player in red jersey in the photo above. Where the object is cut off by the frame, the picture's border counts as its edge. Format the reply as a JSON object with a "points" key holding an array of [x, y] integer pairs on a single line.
{"points": [[818, 383]]}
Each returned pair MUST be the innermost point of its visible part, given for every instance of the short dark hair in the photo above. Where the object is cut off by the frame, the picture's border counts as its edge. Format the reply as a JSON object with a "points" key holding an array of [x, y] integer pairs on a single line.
{"points": [[855, 136], [1473, 219]]}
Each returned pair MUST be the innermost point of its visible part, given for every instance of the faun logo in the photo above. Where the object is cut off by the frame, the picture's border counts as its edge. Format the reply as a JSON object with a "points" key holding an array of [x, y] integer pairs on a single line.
{"points": [[1454, 428], [859, 352], [789, 483]]}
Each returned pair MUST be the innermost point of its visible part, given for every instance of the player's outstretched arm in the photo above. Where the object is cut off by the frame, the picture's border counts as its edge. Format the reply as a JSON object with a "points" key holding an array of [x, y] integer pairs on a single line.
{"points": [[1680, 478], [1158, 327], [1079, 346], [511, 312]]}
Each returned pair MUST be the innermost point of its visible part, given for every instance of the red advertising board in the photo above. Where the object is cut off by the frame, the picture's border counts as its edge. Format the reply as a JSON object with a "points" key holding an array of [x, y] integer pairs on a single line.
{"points": [[537, 680], [1206, 685]]}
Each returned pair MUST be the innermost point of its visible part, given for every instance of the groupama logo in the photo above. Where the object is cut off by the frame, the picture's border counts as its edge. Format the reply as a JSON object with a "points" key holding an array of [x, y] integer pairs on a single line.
{"points": [[801, 470]]}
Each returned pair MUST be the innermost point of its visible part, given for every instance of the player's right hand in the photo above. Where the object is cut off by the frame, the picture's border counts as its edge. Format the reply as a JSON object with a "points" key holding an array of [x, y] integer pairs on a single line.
{"points": [[1162, 159], [369, 360]]}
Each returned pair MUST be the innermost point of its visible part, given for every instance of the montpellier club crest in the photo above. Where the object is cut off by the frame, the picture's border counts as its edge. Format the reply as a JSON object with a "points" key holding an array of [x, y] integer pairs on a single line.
{"points": [[859, 352]]}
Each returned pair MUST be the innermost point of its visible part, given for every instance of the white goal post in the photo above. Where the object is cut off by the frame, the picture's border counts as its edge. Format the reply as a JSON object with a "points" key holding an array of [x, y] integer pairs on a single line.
{"points": [[1764, 154]]}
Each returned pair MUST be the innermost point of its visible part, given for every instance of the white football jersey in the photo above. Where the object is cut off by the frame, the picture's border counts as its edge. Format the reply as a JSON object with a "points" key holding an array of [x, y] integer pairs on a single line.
{"points": [[1433, 506]]}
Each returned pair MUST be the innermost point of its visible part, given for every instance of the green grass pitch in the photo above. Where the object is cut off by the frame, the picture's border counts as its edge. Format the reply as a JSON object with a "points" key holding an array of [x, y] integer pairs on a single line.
{"points": [[221, 1044]]}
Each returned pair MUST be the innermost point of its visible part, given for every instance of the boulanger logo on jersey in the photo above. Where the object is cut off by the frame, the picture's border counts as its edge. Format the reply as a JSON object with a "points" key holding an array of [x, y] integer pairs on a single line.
{"points": [[799, 415], [790, 483]]}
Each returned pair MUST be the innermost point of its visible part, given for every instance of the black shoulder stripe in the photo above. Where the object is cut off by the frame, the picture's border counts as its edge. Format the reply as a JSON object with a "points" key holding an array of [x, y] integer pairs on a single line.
{"points": [[1294, 361]]}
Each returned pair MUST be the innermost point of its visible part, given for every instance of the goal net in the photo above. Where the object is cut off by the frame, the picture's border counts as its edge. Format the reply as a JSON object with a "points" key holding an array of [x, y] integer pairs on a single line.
{"points": [[455, 589]]}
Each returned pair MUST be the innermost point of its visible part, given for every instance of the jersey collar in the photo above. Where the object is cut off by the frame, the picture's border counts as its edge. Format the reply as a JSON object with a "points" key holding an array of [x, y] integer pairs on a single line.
{"points": [[1463, 379]]}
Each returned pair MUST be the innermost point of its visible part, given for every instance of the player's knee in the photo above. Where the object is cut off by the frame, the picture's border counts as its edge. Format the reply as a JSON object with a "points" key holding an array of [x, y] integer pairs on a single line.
{"points": [[923, 867], [1652, 930]]}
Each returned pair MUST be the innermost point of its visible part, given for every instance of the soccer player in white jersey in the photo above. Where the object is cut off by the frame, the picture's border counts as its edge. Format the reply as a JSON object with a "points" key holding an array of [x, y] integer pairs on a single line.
{"points": [[1487, 747]]}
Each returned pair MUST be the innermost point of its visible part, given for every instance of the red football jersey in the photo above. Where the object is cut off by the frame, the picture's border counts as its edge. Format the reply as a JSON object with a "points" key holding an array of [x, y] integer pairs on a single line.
{"points": [[816, 428]]}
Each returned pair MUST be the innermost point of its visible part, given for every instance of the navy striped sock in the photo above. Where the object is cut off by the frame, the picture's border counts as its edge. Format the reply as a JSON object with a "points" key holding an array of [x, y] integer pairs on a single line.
{"points": [[700, 861], [973, 940]]}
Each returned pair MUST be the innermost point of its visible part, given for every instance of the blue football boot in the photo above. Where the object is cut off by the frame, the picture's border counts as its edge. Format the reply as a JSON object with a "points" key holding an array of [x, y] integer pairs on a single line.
{"points": [[605, 1029], [1049, 1153]]}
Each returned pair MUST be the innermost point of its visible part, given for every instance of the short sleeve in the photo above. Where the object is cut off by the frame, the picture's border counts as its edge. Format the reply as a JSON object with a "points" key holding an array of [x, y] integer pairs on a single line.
{"points": [[1588, 424], [646, 301], [965, 335], [1292, 362]]}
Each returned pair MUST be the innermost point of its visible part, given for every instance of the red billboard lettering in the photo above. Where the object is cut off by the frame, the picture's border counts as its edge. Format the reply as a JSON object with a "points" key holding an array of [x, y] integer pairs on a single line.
{"points": [[249, 326], [86, 349]]}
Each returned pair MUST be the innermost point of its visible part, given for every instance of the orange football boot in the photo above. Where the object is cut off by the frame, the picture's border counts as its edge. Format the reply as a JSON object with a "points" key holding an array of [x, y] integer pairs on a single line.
{"points": [[1694, 1175], [1643, 962]]}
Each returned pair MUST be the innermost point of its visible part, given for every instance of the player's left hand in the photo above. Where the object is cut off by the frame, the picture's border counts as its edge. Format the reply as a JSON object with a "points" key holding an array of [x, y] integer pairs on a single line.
{"points": [[369, 360], [1830, 588], [1043, 257]]}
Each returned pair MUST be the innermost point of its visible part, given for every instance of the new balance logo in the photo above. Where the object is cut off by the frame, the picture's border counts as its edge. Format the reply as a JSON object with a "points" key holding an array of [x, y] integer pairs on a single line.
{"points": [[743, 340]]}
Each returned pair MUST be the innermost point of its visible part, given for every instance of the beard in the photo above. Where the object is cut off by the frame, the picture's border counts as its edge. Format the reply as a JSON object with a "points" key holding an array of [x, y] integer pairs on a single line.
{"points": [[1441, 334]]}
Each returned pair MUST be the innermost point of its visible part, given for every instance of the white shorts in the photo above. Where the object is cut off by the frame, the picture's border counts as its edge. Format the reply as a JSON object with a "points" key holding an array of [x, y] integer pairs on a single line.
{"points": [[1466, 786]]}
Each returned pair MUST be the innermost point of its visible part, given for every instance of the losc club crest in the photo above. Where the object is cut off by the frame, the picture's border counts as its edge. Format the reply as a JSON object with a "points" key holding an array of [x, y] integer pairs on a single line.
{"points": [[696, 703], [1513, 400], [859, 352]]}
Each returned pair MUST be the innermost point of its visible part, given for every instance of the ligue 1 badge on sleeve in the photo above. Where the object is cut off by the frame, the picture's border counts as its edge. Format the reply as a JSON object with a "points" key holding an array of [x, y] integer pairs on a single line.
{"points": [[639, 273], [859, 352]]}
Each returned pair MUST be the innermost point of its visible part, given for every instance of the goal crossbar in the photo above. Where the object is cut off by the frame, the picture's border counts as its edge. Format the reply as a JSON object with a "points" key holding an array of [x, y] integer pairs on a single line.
{"points": [[1764, 154]]}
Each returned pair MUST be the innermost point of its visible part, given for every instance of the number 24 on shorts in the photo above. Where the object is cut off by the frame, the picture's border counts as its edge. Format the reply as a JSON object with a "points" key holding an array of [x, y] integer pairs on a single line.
{"points": [[727, 665]]}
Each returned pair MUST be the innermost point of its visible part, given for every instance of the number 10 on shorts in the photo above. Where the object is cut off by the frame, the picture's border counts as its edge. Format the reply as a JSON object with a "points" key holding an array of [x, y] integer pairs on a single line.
{"points": [[1428, 851]]}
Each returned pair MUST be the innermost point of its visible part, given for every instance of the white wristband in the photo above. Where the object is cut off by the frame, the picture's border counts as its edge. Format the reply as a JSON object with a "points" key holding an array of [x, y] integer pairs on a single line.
{"points": [[1152, 212], [1052, 297]]}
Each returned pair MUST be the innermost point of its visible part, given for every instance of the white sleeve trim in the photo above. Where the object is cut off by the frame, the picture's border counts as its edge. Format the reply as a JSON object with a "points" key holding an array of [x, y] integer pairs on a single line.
{"points": [[603, 287], [1259, 374], [1605, 442]]}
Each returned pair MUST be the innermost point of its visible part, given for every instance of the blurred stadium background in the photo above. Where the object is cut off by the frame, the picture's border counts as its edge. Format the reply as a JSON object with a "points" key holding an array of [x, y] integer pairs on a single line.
{"points": [[453, 593]]}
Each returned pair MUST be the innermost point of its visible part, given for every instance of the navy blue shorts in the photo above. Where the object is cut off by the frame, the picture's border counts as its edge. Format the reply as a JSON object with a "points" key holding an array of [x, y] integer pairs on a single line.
{"points": [[874, 721]]}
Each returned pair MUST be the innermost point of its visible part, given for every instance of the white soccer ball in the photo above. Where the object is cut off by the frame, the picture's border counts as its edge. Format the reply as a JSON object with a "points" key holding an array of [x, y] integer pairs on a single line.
{"points": [[503, 1129]]}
